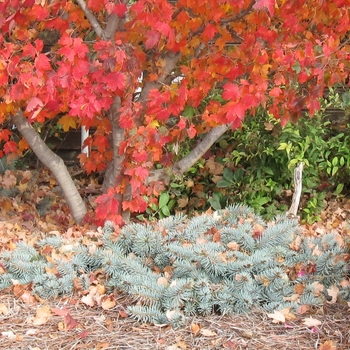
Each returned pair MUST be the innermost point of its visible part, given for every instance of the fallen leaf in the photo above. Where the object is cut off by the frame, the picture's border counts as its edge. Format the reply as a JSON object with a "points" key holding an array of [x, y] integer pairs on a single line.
{"points": [[9, 335], [60, 312], [311, 322], [70, 322], [195, 328], [83, 334], [88, 300], [287, 314], [182, 345], [162, 281], [182, 202], [257, 230], [318, 288], [328, 345], [277, 317], [333, 292], [123, 314], [108, 302], [208, 333], [303, 309], [230, 345], [233, 245], [43, 314], [4, 309], [299, 288]]}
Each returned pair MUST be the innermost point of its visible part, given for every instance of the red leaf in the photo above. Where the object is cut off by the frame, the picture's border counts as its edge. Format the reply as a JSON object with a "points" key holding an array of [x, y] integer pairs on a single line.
{"points": [[209, 32], [231, 92], [269, 4], [95, 5], [120, 10], [83, 334], [102, 143], [236, 110], [152, 39], [114, 81], [90, 166], [42, 62], [41, 12], [136, 205], [275, 92], [191, 131], [70, 322], [33, 103], [140, 156], [182, 123], [142, 173], [60, 312], [10, 147], [107, 204], [5, 134]]}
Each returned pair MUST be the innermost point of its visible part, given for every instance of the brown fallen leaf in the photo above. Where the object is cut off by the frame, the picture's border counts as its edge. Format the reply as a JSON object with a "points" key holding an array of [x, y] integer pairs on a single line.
{"points": [[88, 300], [4, 309], [195, 328], [208, 333], [333, 293], [229, 344], [311, 322], [60, 312], [43, 314], [277, 317], [328, 345], [108, 302], [70, 322]]}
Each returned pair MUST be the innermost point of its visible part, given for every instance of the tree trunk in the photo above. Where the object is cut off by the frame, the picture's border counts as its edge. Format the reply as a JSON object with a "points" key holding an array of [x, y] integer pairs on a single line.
{"points": [[115, 168], [55, 164]]}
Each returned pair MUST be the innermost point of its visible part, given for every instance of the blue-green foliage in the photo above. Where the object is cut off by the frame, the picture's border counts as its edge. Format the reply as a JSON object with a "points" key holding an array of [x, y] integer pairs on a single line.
{"points": [[230, 261]]}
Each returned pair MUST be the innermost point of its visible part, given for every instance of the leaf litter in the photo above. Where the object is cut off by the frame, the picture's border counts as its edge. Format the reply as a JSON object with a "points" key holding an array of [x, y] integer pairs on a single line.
{"points": [[93, 319]]}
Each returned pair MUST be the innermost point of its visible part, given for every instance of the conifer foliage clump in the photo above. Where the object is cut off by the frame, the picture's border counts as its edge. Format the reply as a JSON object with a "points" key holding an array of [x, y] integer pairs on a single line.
{"points": [[229, 261]]}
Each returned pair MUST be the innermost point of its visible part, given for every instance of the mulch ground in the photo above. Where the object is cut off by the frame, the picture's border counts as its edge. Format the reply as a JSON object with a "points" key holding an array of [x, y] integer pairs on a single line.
{"points": [[101, 329]]}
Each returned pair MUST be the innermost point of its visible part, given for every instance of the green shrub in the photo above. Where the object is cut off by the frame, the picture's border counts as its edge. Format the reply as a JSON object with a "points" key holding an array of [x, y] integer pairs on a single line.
{"points": [[255, 165]]}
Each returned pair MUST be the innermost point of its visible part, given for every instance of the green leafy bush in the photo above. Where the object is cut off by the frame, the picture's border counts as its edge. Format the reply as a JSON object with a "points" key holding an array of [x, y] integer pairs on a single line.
{"points": [[255, 165], [228, 262]]}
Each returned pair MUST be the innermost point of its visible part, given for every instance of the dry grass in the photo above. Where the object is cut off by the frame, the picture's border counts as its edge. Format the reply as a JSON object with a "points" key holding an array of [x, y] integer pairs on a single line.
{"points": [[105, 329]]}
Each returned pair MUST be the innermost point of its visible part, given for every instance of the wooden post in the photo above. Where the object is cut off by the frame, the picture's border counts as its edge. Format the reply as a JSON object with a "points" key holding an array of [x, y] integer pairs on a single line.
{"points": [[84, 136], [298, 181]]}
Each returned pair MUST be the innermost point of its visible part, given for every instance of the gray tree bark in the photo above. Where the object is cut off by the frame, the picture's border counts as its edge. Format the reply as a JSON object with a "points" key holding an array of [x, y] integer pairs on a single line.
{"points": [[55, 164]]}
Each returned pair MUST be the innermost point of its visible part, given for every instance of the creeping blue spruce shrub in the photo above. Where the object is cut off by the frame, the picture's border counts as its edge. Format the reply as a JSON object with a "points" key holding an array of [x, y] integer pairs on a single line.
{"points": [[229, 262]]}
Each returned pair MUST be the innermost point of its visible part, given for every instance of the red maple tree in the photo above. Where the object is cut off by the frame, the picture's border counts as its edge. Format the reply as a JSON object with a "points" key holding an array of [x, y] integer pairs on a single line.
{"points": [[148, 74]]}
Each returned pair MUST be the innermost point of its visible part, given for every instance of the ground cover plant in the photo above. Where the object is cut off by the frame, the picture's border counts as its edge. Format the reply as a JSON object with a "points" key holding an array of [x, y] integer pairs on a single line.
{"points": [[228, 262]]}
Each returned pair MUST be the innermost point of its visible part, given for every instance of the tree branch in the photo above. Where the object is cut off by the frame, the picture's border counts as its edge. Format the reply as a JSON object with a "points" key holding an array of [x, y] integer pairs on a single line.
{"points": [[54, 163], [171, 60], [92, 19], [185, 163], [197, 153], [239, 15], [111, 27]]}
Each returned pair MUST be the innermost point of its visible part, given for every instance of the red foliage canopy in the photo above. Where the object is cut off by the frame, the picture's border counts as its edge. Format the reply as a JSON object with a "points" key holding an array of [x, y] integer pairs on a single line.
{"points": [[164, 70]]}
